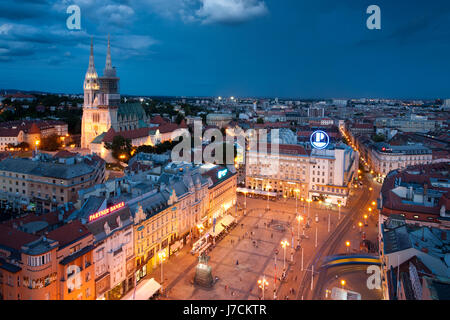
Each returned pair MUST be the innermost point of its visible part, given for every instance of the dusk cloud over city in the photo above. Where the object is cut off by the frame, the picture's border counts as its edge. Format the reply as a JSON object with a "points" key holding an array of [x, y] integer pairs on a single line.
{"points": [[288, 48], [223, 155]]}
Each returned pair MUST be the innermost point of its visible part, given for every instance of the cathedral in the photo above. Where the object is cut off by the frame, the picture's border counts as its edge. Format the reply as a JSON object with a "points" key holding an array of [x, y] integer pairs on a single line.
{"points": [[102, 110]]}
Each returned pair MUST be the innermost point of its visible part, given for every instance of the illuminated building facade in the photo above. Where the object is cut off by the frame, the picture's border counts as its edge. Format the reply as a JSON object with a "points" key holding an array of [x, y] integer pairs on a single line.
{"points": [[112, 228], [222, 191], [291, 174], [39, 265], [102, 109]]}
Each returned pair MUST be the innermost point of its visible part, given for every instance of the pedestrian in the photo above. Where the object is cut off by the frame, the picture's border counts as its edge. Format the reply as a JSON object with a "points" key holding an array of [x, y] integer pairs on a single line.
{"points": [[237, 262], [296, 278], [271, 235]]}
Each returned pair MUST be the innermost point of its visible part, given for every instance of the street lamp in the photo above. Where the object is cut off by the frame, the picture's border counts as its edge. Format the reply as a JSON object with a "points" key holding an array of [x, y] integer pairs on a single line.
{"points": [[162, 257], [374, 203], [343, 283], [299, 219], [360, 225], [370, 209], [296, 200], [365, 219], [284, 244], [339, 206], [245, 200], [262, 284], [347, 244], [309, 205], [268, 188], [37, 142]]}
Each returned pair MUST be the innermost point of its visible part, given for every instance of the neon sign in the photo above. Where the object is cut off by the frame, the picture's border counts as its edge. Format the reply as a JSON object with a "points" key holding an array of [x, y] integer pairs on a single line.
{"points": [[105, 212], [319, 139], [222, 173]]}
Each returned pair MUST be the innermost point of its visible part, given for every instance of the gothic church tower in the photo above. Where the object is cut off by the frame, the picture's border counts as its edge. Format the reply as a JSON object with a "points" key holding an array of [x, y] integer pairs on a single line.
{"points": [[101, 100]]}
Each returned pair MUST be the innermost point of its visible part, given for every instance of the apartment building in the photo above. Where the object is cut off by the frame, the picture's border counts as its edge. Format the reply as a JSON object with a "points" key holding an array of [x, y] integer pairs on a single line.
{"points": [[44, 182], [295, 172], [42, 259], [113, 254], [285, 173], [384, 158]]}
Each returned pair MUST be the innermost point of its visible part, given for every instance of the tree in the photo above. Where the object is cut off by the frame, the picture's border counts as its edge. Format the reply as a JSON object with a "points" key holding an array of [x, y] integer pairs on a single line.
{"points": [[179, 118], [260, 121], [379, 138], [50, 143], [120, 148]]}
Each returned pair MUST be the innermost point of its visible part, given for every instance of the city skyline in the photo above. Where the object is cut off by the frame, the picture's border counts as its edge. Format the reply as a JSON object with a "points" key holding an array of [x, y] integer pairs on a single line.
{"points": [[200, 48]]}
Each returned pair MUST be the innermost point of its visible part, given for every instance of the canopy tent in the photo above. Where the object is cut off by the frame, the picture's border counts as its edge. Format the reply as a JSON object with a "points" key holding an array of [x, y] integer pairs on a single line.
{"points": [[145, 290]]}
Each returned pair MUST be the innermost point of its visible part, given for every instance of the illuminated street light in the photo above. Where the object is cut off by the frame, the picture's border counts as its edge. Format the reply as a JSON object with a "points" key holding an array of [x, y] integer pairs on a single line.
{"points": [[296, 200], [263, 284], [245, 200], [370, 209], [299, 219], [309, 205], [360, 225], [347, 244], [339, 206], [284, 244], [374, 203], [162, 257], [268, 190], [343, 283]]}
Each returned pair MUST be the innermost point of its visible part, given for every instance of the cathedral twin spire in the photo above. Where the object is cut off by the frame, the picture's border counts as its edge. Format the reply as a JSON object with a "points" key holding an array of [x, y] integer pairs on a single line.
{"points": [[109, 70]]}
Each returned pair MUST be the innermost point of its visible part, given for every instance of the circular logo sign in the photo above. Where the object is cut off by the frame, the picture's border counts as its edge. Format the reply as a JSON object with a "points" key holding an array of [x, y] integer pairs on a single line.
{"points": [[319, 139]]}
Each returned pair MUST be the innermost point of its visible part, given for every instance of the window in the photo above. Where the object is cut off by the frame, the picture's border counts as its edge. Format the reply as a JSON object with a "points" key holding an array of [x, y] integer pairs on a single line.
{"points": [[100, 254]]}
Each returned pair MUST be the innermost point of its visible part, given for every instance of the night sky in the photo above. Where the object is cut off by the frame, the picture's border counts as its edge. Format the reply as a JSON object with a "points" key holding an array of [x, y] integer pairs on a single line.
{"points": [[277, 48]]}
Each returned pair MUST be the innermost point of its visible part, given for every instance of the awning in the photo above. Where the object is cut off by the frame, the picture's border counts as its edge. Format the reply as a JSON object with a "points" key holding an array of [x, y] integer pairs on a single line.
{"points": [[175, 246], [254, 191], [227, 220], [145, 290], [218, 229]]}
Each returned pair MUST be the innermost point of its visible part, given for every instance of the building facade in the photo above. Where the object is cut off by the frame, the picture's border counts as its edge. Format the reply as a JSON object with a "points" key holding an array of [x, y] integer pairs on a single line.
{"points": [[44, 182]]}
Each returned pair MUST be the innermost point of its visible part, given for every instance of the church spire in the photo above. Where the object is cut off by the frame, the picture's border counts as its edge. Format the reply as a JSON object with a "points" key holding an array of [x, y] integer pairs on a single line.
{"points": [[91, 57], [91, 78], [109, 71]]}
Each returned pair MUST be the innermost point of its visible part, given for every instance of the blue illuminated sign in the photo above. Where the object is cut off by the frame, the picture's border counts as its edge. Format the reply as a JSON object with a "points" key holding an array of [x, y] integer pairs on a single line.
{"points": [[221, 173], [319, 139]]}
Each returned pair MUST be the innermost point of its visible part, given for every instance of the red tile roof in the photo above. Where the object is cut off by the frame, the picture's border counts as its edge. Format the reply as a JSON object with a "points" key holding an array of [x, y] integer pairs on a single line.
{"points": [[64, 154], [69, 233], [158, 120], [129, 134], [170, 127], [14, 238]]}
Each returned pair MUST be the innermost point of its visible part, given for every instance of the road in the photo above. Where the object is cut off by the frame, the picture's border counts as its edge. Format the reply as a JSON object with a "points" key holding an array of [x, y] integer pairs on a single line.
{"points": [[335, 244]]}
